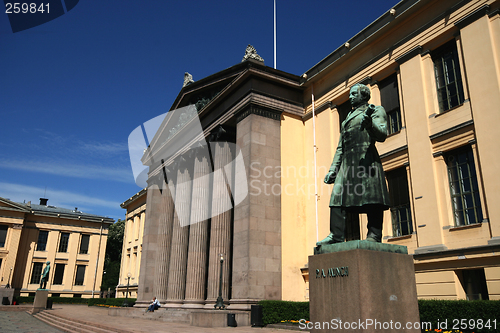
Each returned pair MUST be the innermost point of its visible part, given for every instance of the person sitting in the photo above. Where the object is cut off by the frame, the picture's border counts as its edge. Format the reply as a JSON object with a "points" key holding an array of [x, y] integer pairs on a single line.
{"points": [[155, 305]]}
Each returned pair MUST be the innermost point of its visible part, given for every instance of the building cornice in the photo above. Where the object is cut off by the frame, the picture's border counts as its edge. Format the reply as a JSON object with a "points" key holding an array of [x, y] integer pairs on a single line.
{"points": [[133, 198]]}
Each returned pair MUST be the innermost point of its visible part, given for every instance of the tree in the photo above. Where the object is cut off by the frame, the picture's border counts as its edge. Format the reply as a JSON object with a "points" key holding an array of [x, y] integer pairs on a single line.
{"points": [[115, 241], [112, 260]]}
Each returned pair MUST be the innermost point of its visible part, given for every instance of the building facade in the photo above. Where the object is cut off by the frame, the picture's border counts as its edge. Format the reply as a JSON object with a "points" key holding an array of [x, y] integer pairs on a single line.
{"points": [[132, 245], [432, 64], [74, 242]]}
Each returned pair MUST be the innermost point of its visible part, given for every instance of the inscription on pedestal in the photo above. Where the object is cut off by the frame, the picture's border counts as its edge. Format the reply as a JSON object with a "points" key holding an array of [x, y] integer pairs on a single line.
{"points": [[332, 272]]}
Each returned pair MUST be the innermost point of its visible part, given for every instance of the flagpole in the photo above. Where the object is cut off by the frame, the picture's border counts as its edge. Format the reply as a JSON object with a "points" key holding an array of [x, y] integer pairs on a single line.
{"points": [[274, 34]]}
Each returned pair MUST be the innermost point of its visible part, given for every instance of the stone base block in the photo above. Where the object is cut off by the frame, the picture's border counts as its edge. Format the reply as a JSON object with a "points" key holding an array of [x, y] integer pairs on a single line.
{"points": [[7, 292], [40, 302], [363, 291], [218, 318]]}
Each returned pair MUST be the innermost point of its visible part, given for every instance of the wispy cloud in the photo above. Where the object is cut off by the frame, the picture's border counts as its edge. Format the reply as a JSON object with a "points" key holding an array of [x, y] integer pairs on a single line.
{"points": [[59, 198], [67, 169], [104, 148]]}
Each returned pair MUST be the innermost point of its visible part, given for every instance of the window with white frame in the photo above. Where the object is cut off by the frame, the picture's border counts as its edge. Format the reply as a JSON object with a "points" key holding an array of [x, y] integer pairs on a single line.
{"points": [[449, 84], [464, 189]]}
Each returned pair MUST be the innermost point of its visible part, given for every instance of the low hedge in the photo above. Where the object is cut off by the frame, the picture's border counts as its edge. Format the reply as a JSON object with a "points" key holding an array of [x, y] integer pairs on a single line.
{"points": [[432, 311], [24, 299], [278, 311], [451, 313]]}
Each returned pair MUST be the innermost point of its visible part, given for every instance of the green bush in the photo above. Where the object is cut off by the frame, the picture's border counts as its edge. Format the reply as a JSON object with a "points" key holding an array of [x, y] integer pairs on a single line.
{"points": [[69, 300], [452, 312], [24, 299], [278, 311]]}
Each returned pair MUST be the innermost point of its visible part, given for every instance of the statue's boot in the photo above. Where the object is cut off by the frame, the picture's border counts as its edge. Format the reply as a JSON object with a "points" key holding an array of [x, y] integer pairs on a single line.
{"points": [[330, 239], [337, 227]]}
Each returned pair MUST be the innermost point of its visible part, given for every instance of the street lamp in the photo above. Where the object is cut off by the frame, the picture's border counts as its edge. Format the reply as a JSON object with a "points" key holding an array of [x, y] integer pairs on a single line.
{"points": [[220, 300], [125, 303], [8, 281]]}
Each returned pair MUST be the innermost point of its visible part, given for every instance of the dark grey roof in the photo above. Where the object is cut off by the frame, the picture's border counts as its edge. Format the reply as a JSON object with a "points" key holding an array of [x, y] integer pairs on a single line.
{"points": [[67, 213]]}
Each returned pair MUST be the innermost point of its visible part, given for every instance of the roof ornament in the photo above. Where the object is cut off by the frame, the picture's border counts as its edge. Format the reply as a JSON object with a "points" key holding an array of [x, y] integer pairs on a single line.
{"points": [[188, 79], [251, 53]]}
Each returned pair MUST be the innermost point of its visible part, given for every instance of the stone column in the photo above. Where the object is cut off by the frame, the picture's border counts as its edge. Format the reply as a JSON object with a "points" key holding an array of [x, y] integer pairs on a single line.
{"points": [[198, 230], [257, 219], [222, 213], [149, 244], [180, 234], [166, 219]]}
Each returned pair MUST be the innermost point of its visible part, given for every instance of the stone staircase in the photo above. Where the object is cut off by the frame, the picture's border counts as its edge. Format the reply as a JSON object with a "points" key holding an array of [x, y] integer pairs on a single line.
{"points": [[74, 325]]}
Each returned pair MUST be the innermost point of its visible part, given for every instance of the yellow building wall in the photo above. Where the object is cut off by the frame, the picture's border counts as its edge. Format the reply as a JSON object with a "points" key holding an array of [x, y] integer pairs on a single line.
{"points": [[478, 45], [480, 49], [9, 252], [71, 258], [132, 246]]}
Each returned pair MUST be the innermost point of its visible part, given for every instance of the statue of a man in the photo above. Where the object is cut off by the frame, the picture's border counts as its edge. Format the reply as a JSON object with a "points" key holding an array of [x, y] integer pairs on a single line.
{"points": [[45, 276], [356, 170]]}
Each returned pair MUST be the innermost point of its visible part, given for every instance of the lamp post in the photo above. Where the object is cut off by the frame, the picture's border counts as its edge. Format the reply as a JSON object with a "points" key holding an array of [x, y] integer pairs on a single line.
{"points": [[125, 303], [8, 281], [220, 300]]}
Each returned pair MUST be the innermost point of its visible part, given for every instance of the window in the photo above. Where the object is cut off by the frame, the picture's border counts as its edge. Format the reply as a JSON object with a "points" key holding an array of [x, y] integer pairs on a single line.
{"points": [[389, 96], [59, 274], [463, 187], [84, 244], [80, 275], [36, 274], [474, 283], [3, 235], [63, 242], [448, 78], [41, 245], [343, 110], [400, 202]]}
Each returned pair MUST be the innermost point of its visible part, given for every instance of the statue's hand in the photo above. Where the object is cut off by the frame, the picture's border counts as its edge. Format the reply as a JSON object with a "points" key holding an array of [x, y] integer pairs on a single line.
{"points": [[330, 178], [366, 122]]}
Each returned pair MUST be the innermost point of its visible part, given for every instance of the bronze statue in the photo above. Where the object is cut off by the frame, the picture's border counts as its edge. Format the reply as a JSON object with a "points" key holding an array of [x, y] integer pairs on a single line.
{"points": [[45, 276], [356, 170]]}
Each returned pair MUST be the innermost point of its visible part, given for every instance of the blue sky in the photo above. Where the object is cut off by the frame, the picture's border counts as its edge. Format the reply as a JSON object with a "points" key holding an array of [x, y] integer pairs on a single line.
{"points": [[72, 89]]}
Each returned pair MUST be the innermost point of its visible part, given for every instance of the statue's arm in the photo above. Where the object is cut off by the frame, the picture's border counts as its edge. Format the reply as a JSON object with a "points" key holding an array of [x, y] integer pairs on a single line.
{"points": [[378, 128]]}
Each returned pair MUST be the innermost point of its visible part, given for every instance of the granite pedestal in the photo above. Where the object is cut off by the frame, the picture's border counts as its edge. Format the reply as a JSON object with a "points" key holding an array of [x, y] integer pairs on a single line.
{"points": [[363, 287], [40, 302]]}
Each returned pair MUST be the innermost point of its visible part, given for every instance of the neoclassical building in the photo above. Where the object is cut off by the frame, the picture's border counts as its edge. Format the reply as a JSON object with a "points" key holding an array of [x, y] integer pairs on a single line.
{"points": [[73, 241], [239, 170]]}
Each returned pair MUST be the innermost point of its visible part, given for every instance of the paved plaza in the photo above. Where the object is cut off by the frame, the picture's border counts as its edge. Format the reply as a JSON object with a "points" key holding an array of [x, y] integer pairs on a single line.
{"points": [[20, 321]]}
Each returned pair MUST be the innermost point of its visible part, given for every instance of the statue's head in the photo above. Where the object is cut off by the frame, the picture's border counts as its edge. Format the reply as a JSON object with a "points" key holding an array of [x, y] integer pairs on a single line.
{"points": [[359, 94], [48, 262]]}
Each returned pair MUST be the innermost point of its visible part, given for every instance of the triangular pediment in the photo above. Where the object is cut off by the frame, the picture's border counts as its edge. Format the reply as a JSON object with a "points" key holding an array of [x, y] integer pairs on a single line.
{"points": [[203, 105]]}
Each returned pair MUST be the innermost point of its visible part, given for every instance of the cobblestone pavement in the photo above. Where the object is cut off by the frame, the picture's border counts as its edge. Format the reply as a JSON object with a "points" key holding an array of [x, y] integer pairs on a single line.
{"points": [[20, 321]]}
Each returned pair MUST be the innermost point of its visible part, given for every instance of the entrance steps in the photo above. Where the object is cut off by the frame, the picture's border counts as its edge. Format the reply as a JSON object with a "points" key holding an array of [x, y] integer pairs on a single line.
{"points": [[74, 325]]}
